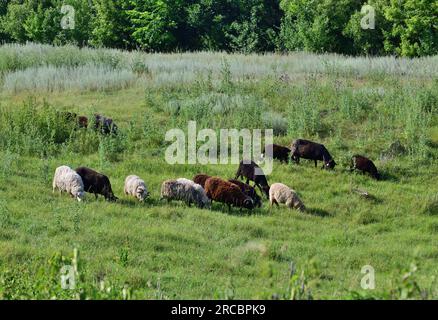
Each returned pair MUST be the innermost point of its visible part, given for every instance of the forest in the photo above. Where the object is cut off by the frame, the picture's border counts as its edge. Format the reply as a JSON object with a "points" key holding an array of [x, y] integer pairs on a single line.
{"points": [[352, 27]]}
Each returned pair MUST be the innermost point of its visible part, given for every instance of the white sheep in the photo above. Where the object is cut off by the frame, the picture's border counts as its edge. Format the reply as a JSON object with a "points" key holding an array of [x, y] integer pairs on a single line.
{"points": [[67, 180], [136, 187], [280, 193], [185, 190]]}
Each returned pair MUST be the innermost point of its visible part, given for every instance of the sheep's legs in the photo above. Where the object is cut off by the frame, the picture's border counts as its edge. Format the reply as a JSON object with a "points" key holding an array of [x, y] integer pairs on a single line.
{"points": [[260, 188], [273, 202]]}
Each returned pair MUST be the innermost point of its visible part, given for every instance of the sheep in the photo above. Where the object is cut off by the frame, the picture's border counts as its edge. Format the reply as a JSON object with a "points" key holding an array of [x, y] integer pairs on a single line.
{"points": [[71, 117], [105, 125], [136, 187], [251, 171], [364, 164], [226, 192], [280, 193], [96, 183], [306, 149], [249, 191], [67, 180], [200, 179], [280, 153], [82, 122], [185, 190]]}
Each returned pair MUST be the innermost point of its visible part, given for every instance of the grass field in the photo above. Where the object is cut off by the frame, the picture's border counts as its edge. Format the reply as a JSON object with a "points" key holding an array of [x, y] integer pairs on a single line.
{"points": [[166, 251]]}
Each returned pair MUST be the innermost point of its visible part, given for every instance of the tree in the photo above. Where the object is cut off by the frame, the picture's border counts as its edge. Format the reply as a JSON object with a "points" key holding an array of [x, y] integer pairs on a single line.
{"points": [[111, 25], [13, 23], [368, 41], [317, 25], [414, 26]]}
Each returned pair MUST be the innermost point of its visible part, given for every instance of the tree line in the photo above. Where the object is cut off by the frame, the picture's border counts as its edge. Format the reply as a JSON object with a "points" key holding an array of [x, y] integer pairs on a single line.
{"points": [[392, 27]]}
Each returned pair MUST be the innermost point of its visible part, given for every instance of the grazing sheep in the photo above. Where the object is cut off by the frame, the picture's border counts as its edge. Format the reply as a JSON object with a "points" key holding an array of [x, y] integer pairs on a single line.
{"points": [[136, 187], [280, 193], [67, 180], [364, 164], [249, 191], [71, 117], [185, 190], [280, 153], [251, 171], [82, 122], [200, 179], [306, 149], [105, 125], [96, 183], [226, 192]]}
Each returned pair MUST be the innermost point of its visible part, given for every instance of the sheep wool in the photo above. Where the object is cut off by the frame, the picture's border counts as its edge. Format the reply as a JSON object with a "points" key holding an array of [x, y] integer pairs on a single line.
{"points": [[136, 187], [67, 180], [280, 193], [185, 190]]}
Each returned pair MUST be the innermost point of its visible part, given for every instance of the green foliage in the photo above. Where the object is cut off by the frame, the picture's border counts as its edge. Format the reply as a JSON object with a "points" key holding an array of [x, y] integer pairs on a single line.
{"points": [[406, 28], [111, 25], [316, 25], [369, 41], [413, 29]]}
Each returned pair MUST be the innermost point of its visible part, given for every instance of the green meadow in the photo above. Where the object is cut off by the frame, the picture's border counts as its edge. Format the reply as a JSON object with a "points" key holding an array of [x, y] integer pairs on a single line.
{"points": [[384, 108]]}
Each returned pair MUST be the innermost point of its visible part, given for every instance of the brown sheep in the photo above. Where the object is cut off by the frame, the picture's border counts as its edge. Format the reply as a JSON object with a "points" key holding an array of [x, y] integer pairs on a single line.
{"points": [[364, 164], [249, 191], [251, 171], [200, 179], [226, 192]]}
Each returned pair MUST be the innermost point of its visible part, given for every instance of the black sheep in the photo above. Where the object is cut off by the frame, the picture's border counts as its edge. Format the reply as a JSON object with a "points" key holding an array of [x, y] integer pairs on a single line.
{"points": [[96, 183], [251, 171], [280, 153], [364, 164], [105, 125], [313, 151]]}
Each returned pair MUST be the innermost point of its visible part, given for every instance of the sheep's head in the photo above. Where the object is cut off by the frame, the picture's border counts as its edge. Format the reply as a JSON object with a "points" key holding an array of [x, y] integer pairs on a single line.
{"points": [[257, 200], [111, 197], [330, 164], [248, 203], [80, 196], [207, 204], [141, 193]]}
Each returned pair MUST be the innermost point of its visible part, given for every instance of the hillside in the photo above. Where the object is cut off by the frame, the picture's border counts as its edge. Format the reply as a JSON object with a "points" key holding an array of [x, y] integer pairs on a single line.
{"points": [[384, 108]]}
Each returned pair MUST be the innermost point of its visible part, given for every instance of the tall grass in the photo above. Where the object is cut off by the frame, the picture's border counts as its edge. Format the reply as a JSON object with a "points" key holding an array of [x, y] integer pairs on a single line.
{"points": [[57, 79], [63, 68]]}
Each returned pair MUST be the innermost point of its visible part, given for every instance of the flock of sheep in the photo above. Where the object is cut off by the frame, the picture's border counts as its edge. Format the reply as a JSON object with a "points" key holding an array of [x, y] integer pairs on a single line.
{"points": [[204, 189]]}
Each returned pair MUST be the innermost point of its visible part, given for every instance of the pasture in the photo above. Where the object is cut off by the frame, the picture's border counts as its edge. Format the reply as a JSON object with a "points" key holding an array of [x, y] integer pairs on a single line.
{"points": [[384, 108]]}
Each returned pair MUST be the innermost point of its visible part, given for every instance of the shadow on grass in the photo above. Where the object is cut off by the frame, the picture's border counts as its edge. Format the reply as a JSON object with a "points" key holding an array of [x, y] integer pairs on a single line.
{"points": [[319, 212], [223, 208], [387, 176], [431, 208]]}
